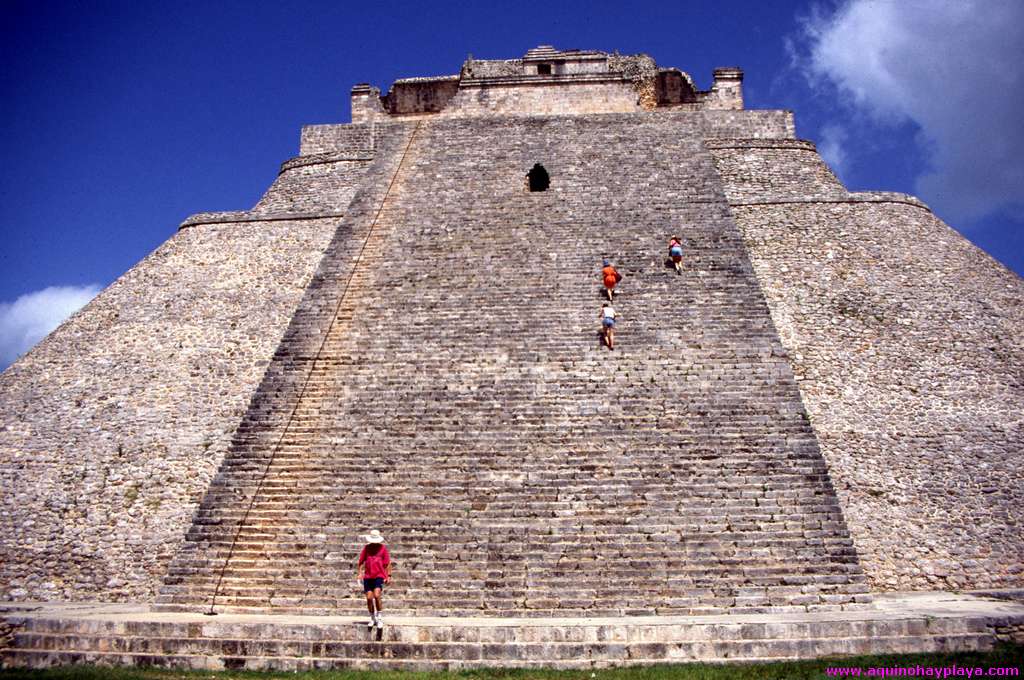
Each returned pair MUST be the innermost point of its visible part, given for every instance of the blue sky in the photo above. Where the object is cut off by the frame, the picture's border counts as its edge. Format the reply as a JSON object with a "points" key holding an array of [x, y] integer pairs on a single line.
{"points": [[119, 119]]}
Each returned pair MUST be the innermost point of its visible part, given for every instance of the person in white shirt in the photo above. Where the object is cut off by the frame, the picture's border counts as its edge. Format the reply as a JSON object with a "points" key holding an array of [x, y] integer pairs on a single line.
{"points": [[608, 325]]}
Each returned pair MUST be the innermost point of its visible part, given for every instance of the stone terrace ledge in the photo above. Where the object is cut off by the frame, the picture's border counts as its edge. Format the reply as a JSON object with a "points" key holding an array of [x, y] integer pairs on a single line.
{"points": [[46, 634]]}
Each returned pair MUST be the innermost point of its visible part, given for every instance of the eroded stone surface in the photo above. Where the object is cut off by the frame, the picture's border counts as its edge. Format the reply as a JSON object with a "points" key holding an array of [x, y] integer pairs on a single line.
{"points": [[907, 344], [461, 355], [508, 446], [113, 426]]}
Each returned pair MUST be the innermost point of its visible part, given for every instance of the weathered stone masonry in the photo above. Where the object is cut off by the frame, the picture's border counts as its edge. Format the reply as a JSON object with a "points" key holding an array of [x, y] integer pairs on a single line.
{"points": [[907, 344], [113, 426], [173, 385], [506, 439]]}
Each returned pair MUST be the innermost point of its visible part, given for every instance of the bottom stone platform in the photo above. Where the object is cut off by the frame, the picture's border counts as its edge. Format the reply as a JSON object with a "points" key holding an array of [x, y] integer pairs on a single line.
{"points": [[48, 634]]}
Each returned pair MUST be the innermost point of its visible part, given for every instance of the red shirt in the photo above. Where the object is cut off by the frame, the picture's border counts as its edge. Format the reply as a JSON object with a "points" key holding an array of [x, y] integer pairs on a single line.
{"points": [[611, 277], [375, 565]]}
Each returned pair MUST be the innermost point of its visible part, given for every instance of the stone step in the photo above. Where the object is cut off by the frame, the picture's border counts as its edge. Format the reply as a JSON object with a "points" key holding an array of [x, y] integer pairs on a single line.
{"points": [[506, 608], [510, 606], [674, 569], [752, 573], [660, 517], [340, 629], [512, 479], [512, 486], [431, 592], [268, 654], [452, 657], [582, 550], [56, 634], [679, 563], [489, 592]]}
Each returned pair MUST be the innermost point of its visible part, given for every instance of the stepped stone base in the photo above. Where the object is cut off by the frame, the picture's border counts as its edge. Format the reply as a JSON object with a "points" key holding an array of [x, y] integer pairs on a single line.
{"points": [[49, 634]]}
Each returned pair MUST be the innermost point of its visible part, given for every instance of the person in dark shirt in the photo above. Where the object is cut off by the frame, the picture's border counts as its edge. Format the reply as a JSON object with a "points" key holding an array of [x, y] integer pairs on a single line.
{"points": [[373, 571]]}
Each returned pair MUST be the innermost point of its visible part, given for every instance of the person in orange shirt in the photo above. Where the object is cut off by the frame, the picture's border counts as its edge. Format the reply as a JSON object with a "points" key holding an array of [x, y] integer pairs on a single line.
{"points": [[611, 277]]}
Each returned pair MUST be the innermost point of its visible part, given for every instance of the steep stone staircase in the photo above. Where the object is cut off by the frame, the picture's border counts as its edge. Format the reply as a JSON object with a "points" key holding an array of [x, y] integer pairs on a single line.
{"points": [[443, 381]]}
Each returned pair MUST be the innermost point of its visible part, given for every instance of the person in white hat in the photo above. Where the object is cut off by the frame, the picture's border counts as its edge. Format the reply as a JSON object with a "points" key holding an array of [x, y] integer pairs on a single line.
{"points": [[374, 570]]}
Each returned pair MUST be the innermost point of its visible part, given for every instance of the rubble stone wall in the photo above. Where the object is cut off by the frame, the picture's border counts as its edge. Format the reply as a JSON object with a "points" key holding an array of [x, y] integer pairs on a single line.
{"points": [[353, 138], [907, 342]]}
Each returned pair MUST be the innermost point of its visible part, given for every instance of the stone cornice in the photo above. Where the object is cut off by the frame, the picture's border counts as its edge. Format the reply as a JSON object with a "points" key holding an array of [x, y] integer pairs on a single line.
{"points": [[240, 216]]}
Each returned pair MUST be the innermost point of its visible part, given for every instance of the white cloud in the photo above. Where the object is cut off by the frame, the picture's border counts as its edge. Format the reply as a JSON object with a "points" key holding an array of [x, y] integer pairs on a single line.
{"points": [[32, 316], [953, 67], [832, 148]]}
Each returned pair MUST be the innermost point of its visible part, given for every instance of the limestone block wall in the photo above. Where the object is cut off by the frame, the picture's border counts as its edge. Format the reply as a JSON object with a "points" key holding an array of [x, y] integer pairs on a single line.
{"points": [[545, 98], [727, 90], [420, 95], [747, 125], [907, 342], [354, 138]]}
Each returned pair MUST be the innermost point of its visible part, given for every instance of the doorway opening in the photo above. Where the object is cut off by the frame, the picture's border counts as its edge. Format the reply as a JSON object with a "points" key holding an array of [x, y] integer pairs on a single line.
{"points": [[538, 178]]}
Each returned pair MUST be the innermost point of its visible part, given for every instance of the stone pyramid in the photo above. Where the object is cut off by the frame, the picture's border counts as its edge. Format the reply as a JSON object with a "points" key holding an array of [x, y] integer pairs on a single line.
{"points": [[400, 335]]}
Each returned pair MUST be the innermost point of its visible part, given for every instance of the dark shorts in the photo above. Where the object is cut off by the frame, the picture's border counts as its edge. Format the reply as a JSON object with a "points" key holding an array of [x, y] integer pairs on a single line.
{"points": [[371, 584]]}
